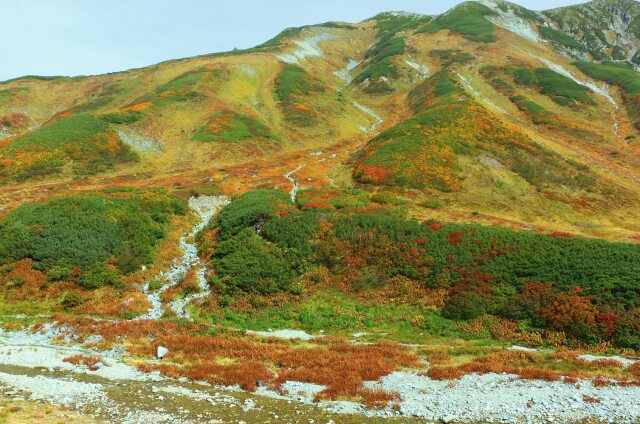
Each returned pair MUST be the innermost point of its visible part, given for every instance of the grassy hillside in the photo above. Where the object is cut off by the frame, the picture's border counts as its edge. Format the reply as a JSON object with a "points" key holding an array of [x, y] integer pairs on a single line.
{"points": [[619, 75], [413, 188], [84, 142], [232, 127], [293, 86], [425, 150]]}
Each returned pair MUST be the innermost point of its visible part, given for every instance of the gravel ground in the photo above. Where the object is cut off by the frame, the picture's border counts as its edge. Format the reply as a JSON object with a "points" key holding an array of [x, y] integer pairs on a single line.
{"points": [[60, 392], [474, 398], [284, 334], [505, 398], [205, 207], [140, 143]]}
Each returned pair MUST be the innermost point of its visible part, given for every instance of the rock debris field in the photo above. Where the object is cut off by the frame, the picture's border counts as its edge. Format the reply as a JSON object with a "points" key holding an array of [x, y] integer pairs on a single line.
{"points": [[32, 367]]}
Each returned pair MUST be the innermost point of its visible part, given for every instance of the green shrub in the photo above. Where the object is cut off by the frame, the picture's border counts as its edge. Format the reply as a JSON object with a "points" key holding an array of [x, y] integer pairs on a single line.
{"points": [[464, 306], [485, 269], [123, 117], [293, 85], [563, 90], [525, 76], [451, 57], [294, 231], [622, 76], [388, 198], [390, 42], [98, 276], [87, 232], [615, 74], [70, 301], [557, 85], [248, 263], [59, 273], [251, 209], [184, 81], [561, 39]]}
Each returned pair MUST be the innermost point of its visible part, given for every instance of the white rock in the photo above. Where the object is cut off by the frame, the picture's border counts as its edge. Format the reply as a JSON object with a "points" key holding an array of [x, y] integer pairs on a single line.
{"points": [[161, 351]]}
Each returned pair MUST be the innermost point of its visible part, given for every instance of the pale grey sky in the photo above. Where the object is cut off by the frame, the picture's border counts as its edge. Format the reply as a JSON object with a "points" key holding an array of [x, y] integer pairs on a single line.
{"points": [[84, 37]]}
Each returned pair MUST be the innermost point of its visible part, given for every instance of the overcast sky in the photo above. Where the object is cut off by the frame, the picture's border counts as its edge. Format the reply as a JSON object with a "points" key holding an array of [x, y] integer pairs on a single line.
{"points": [[84, 37]]}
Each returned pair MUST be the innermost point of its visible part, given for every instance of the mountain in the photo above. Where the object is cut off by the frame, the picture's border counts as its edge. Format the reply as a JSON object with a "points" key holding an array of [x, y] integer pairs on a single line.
{"points": [[459, 183], [549, 135]]}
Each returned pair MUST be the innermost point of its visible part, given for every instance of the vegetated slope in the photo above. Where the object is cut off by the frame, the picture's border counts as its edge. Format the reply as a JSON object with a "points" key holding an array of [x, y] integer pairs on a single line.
{"points": [[449, 131], [83, 142], [470, 116], [555, 282], [64, 245]]}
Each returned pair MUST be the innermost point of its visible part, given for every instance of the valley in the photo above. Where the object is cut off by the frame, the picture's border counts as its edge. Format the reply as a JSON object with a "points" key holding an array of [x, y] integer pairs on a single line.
{"points": [[408, 219]]}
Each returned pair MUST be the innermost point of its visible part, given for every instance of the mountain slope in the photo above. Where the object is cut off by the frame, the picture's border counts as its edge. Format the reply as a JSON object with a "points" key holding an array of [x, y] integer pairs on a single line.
{"points": [[421, 194], [564, 155]]}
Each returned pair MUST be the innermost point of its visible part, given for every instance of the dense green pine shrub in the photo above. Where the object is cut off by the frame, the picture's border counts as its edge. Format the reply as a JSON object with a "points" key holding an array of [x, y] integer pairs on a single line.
{"points": [[87, 233], [485, 269]]}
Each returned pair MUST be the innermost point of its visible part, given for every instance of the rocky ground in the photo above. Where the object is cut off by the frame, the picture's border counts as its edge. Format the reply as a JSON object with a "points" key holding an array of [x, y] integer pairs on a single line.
{"points": [[33, 368]]}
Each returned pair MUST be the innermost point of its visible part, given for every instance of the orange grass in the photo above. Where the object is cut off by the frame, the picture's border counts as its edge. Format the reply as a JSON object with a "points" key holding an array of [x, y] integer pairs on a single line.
{"points": [[227, 359], [89, 361], [528, 366], [378, 399]]}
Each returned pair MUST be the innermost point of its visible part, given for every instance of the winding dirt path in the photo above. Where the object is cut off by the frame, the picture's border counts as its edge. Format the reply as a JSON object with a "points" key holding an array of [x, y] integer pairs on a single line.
{"points": [[294, 182]]}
